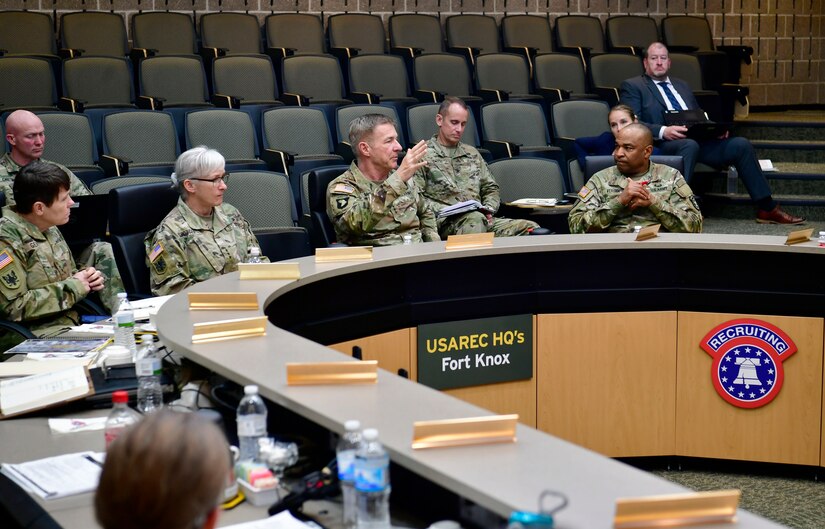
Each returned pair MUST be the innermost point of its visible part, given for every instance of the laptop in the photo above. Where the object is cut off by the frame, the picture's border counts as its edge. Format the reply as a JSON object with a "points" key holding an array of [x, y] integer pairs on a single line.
{"points": [[88, 221], [700, 128]]}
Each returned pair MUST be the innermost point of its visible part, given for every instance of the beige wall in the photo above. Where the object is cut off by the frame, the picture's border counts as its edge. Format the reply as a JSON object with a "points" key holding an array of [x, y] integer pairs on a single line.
{"points": [[787, 70]]}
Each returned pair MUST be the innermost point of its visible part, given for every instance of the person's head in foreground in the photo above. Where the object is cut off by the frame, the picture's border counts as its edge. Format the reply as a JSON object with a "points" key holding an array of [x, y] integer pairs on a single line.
{"points": [[168, 471], [634, 145]]}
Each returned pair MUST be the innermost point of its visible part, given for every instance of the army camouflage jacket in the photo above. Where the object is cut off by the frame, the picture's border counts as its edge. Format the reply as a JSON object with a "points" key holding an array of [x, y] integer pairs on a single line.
{"points": [[36, 283], [598, 208], [371, 213], [187, 248], [448, 180], [9, 169]]}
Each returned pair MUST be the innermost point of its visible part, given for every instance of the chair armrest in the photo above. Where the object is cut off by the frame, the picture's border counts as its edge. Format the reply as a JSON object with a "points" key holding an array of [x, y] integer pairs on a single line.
{"points": [[735, 91], [501, 149], [364, 98], [583, 53], [278, 161], [468, 52], [225, 101], [429, 96], [289, 98], [138, 54], [553, 94], [743, 53], [344, 53], [279, 53], [67, 104], [212, 53], [113, 166], [406, 51], [149, 102], [493, 96], [69, 53]]}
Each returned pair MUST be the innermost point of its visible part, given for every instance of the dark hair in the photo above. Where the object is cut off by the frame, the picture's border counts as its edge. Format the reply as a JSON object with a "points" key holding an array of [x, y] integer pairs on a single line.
{"points": [[621, 107], [38, 181], [657, 43], [450, 101]]}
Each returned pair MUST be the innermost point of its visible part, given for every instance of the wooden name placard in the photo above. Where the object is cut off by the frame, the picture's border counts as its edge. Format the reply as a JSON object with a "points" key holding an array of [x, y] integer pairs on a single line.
{"points": [[470, 240], [466, 431], [269, 271], [343, 253], [677, 510], [223, 301], [214, 331], [314, 373], [798, 236], [648, 232]]}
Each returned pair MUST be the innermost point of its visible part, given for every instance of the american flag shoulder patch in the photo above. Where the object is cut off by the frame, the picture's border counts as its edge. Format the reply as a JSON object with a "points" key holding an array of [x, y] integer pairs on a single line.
{"points": [[343, 188], [5, 259], [584, 192], [157, 249]]}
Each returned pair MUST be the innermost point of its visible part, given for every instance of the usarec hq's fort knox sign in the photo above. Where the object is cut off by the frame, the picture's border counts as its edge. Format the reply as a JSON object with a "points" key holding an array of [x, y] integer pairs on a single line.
{"points": [[747, 361]]}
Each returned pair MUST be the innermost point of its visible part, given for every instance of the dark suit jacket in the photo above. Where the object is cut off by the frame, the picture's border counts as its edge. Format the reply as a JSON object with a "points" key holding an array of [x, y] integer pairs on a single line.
{"points": [[643, 96]]}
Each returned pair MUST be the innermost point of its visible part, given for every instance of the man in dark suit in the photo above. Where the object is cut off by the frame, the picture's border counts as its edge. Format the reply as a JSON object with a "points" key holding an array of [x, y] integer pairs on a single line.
{"points": [[653, 93]]}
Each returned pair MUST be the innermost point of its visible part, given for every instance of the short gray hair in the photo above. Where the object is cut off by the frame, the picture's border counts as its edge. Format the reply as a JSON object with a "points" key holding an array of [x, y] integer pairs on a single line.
{"points": [[363, 126], [197, 162]]}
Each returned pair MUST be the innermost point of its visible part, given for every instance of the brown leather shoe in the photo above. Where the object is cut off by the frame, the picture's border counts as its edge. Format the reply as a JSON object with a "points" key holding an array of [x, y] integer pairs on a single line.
{"points": [[777, 216]]}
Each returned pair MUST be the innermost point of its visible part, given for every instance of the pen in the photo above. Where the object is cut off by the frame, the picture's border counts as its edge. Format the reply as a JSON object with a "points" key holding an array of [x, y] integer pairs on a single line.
{"points": [[644, 183]]}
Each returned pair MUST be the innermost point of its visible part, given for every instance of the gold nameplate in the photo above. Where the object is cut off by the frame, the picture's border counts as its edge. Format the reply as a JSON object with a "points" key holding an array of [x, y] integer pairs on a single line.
{"points": [[223, 301], [312, 373], [269, 270], [343, 253], [213, 331], [798, 236], [468, 431], [676, 510], [470, 240], [648, 232]]}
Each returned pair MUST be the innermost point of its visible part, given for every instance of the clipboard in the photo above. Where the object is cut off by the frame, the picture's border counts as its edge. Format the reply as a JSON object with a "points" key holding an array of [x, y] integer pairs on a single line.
{"points": [[36, 392]]}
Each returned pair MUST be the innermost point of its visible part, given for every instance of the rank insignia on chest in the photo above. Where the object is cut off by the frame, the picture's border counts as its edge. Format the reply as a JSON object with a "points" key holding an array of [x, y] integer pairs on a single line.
{"points": [[10, 279]]}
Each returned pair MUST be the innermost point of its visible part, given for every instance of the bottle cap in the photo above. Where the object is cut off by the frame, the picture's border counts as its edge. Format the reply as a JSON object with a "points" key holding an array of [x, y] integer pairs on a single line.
{"points": [[254, 250], [146, 338], [370, 434], [251, 389], [352, 425], [120, 397], [121, 295]]}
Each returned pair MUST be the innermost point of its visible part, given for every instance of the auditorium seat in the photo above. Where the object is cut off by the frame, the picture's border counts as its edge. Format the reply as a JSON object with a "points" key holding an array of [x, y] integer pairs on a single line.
{"points": [[528, 178], [630, 33], [163, 33], [294, 33], [562, 74], [230, 132], [444, 74], [226, 33], [609, 70], [472, 35], [146, 139], [102, 187], [263, 198], [323, 232], [246, 82], [27, 33], [414, 34], [356, 34], [527, 31], [577, 119], [27, 82], [93, 33], [517, 125], [315, 80], [580, 34], [504, 77], [72, 143], [384, 76]]}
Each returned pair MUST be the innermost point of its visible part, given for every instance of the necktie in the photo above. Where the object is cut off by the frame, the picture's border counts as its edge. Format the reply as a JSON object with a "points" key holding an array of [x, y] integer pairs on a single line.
{"points": [[670, 95]]}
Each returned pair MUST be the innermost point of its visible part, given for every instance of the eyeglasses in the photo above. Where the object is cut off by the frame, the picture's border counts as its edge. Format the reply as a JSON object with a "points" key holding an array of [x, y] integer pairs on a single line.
{"points": [[224, 179]]}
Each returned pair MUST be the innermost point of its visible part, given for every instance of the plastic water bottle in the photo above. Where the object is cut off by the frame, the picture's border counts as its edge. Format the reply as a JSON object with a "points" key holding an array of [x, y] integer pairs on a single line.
{"points": [[124, 321], [372, 483], [251, 422], [148, 369], [254, 255], [345, 452], [822, 239], [120, 418]]}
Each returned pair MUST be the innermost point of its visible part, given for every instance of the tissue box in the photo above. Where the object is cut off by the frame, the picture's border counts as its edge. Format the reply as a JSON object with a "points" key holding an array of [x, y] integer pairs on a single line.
{"points": [[257, 496]]}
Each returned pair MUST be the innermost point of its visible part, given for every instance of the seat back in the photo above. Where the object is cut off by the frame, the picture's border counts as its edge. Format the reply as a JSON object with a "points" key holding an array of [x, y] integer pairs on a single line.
{"points": [[442, 72], [248, 77], [528, 178], [165, 32], [179, 80], [687, 31], [686, 67], [503, 71], [416, 31], [27, 82], [421, 124], [234, 32], [102, 187], [629, 31], [515, 121], [27, 33], [556, 70], [301, 32], [142, 136], [527, 31], [580, 31], [264, 198], [71, 139], [344, 116], [230, 132], [579, 118], [357, 30], [94, 32], [317, 77], [610, 69], [133, 211], [594, 164], [385, 75], [319, 180], [99, 81], [298, 130], [473, 31]]}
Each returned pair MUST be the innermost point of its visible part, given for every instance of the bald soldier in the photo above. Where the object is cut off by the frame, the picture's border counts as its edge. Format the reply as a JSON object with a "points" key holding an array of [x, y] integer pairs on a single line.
{"points": [[635, 192]]}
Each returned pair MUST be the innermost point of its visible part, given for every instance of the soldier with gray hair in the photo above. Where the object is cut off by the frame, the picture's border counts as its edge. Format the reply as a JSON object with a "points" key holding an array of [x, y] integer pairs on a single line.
{"points": [[376, 202], [202, 237]]}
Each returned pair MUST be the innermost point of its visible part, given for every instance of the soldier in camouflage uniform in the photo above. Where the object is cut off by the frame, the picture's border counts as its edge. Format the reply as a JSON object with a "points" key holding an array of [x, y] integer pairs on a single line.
{"points": [[202, 237], [635, 192], [376, 202], [456, 172], [39, 281]]}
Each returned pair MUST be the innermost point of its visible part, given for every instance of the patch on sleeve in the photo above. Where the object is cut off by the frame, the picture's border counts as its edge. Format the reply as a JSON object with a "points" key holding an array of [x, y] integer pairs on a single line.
{"points": [[341, 203], [684, 191], [343, 188], [10, 279], [5, 259], [157, 249], [584, 192]]}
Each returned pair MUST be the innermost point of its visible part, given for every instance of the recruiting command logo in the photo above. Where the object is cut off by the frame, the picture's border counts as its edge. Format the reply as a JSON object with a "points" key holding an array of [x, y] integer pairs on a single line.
{"points": [[747, 361]]}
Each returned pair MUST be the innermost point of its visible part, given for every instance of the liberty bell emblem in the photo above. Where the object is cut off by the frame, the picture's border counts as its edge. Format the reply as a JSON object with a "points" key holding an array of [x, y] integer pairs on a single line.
{"points": [[747, 372]]}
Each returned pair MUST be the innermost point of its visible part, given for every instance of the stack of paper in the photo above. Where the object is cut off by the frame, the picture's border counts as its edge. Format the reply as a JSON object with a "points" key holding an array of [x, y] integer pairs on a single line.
{"points": [[460, 207], [59, 476]]}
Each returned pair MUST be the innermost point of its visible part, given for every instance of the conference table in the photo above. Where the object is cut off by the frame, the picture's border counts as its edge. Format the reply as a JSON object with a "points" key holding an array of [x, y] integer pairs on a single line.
{"points": [[598, 281]]}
